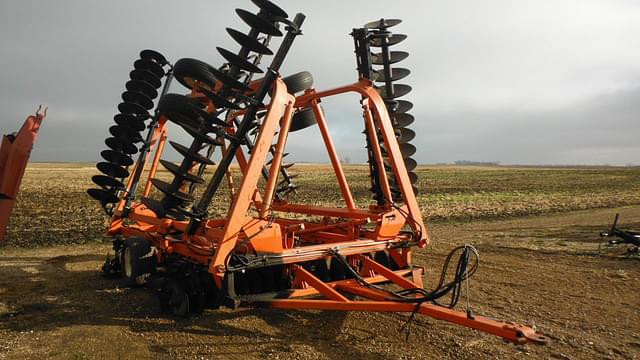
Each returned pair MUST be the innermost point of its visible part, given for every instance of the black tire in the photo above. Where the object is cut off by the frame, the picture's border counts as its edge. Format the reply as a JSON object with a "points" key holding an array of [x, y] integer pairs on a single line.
{"points": [[187, 70], [135, 261], [174, 297], [298, 82], [302, 119], [181, 110]]}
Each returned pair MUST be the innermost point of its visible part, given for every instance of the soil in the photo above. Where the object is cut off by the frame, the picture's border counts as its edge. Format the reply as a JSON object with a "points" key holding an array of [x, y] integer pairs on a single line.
{"points": [[547, 271]]}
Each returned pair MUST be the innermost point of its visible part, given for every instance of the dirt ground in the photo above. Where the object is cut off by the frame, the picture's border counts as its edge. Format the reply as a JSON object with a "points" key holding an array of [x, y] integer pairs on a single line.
{"points": [[546, 271]]}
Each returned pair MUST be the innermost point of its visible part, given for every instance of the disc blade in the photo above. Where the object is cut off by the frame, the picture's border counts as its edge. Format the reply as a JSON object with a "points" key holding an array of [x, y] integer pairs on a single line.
{"points": [[391, 40], [399, 90], [219, 101], [410, 164], [139, 98], [270, 8], [175, 170], [112, 170], [149, 65], [413, 177], [119, 144], [229, 81], [402, 120], [404, 135], [125, 133], [153, 55], [107, 182], [116, 157], [166, 188], [105, 197], [131, 108], [238, 61], [394, 57], [249, 42], [259, 23], [129, 121], [142, 87], [147, 76], [382, 24], [201, 136], [184, 151], [396, 74]]}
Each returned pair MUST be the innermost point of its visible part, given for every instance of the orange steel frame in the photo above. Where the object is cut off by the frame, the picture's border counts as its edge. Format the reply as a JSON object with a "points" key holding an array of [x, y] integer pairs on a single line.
{"points": [[14, 156], [352, 231]]}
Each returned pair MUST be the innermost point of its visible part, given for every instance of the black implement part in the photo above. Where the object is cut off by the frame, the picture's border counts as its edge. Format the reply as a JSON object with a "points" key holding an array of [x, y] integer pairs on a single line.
{"points": [[382, 24], [113, 170], [119, 144], [187, 71], [137, 98], [149, 65], [238, 61], [116, 157], [133, 108], [125, 133], [398, 91], [270, 8], [399, 106], [130, 121], [394, 57], [142, 87], [147, 76], [259, 23], [402, 120], [154, 56], [248, 42], [107, 182], [165, 187], [219, 101], [391, 40], [175, 170], [104, 196], [302, 119], [230, 81], [396, 74], [404, 135], [201, 136], [186, 152]]}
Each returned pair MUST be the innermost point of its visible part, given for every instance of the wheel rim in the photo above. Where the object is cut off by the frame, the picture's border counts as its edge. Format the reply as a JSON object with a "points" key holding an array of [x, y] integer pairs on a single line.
{"points": [[127, 267]]}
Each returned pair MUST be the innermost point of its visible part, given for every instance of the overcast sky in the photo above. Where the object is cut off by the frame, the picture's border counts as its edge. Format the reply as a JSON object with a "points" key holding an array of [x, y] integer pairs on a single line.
{"points": [[519, 82]]}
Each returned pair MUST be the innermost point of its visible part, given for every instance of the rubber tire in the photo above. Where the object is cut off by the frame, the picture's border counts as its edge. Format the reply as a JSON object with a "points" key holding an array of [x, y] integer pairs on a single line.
{"points": [[179, 109], [195, 69], [302, 120], [132, 263], [173, 288], [298, 82]]}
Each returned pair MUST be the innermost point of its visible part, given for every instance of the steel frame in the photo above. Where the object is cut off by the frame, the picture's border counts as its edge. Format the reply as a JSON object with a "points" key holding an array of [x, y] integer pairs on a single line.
{"points": [[272, 239]]}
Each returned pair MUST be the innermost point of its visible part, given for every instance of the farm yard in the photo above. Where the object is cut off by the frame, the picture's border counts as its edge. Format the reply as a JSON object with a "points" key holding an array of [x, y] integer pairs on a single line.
{"points": [[542, 263]]}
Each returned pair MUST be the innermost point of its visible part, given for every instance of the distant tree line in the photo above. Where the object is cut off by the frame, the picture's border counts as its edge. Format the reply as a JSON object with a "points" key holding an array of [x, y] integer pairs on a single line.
{"points": [[469, 162]]}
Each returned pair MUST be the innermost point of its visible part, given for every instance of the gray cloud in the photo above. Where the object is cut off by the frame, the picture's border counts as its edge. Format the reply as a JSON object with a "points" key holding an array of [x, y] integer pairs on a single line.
{"points": [[513, 81]]}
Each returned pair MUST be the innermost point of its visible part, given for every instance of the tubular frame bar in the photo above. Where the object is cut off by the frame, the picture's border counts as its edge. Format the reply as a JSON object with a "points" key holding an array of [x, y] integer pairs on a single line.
{"points": [[377, 301]]}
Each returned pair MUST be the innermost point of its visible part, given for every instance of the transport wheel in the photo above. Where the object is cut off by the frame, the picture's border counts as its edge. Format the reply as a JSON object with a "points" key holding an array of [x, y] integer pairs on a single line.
{"points": [[188, 71], [195, 293], [298, 82], [302, 119], [136, 262], [174, 298]]}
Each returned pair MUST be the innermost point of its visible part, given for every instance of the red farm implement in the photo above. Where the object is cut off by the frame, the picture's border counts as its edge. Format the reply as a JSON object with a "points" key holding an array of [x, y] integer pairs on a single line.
{"points": [[267, 249], [14, 155]]}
